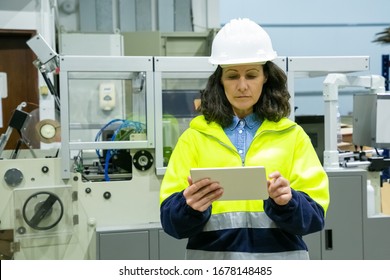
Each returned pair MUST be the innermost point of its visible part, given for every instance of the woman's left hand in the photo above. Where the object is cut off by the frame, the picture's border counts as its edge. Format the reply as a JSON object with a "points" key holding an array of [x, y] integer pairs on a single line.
{"points": [[279, 188]]}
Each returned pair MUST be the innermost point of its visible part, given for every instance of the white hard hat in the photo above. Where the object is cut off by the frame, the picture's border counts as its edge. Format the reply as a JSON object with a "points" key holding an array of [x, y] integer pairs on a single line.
{"points": [[241, 41]]}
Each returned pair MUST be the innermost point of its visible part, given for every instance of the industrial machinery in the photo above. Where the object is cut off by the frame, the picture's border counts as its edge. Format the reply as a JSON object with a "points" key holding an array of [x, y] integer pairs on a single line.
{"points": [[356, 177], [97, 197]]}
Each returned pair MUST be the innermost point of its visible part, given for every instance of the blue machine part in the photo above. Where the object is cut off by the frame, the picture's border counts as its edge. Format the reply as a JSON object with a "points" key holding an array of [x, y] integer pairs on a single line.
{"points": [[386, 171], [385, 69]]}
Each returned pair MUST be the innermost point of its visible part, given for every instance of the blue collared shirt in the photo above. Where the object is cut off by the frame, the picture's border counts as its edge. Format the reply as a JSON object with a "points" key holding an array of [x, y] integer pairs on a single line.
{"points": [[242, 131]]}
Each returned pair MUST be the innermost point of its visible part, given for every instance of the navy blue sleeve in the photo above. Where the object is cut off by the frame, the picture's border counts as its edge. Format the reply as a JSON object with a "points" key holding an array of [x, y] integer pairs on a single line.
{"points": [[301, 216], [180, 220]]}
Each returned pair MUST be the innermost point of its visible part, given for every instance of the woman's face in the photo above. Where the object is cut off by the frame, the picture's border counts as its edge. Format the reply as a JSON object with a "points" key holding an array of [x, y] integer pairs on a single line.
{"points": [[243, 85]]}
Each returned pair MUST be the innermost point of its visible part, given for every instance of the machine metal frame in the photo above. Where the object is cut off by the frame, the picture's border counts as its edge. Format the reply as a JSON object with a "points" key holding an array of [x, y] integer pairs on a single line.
{"points": [[319, 66], [112, 64]]}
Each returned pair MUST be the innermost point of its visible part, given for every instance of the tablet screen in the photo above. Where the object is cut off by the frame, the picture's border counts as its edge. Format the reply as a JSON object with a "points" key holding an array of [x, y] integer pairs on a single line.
{"points": [[239, 183]]}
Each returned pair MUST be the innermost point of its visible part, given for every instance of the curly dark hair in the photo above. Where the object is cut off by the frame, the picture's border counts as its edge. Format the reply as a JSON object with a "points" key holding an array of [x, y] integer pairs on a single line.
{"points": [[273, 103]]}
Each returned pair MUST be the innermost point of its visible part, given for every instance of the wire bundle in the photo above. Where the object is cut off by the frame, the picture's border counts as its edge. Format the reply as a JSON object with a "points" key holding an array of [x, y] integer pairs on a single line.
{"points": [[123, 132]]}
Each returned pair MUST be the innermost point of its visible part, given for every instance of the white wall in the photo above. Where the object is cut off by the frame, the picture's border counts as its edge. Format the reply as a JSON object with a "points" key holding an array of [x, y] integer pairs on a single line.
{"points": [[318, 28], [29, 15]]}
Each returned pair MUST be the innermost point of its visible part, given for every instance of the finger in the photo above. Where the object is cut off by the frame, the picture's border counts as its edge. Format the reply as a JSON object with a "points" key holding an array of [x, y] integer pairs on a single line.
{"points": [[207, 200], [203, 196], [274, 175], [283, 199], [195, 187], [280, 191], [278, 180], [205, 191], [278, 187]]}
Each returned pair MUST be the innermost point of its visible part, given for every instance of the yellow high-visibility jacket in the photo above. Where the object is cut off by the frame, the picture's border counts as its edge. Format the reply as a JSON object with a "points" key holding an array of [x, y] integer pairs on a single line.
{"points": [[253, 229]]}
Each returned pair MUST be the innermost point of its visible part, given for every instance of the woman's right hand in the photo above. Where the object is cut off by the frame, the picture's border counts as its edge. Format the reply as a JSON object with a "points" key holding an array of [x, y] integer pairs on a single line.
{"points": [[201, 194]]}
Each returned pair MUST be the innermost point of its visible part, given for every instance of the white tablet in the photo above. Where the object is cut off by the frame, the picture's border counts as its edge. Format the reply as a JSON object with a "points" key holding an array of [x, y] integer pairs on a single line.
{"points": [[239, 183]]}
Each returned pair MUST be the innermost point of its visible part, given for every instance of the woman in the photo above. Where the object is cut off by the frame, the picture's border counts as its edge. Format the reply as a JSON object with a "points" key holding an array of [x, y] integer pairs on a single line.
{"points": [[244, 123]]}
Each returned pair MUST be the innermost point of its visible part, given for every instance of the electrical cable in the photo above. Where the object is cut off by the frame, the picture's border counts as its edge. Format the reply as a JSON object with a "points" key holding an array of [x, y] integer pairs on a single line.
{"points": [[106, 164], [97, 137], [17, 148], [52, 89], [136, 127]]}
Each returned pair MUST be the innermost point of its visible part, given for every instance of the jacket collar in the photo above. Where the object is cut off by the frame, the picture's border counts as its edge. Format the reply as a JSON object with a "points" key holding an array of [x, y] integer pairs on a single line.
{"points": [[199, 123], [250, 121]]}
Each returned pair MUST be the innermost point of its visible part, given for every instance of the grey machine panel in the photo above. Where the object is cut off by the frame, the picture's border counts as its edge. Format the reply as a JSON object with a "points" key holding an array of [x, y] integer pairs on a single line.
{"points": [[376, 238], [370, 120], [342, 237], [138, 243], [171, 248], [123, 245]]}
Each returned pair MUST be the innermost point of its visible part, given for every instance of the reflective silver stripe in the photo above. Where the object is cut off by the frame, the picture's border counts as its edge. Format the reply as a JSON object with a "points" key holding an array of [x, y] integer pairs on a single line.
{"points": [[210, 255], [239, 220]]}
